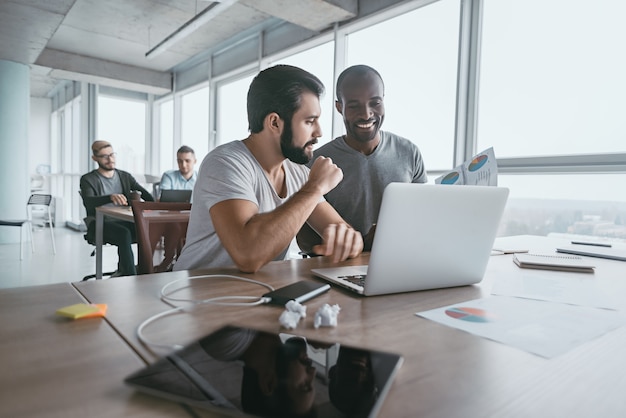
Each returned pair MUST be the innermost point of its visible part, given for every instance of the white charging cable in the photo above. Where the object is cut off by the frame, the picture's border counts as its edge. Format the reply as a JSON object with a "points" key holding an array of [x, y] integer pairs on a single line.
{"points": [[219, 300]]}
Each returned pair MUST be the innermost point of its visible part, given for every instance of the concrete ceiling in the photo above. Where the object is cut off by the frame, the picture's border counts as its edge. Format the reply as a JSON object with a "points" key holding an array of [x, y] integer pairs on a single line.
{"points": [[106, 41]]}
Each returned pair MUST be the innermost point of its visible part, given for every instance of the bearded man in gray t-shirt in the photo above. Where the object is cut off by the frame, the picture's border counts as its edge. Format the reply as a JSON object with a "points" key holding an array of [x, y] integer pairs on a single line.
{"points": [[253, 195], [369, 158]]}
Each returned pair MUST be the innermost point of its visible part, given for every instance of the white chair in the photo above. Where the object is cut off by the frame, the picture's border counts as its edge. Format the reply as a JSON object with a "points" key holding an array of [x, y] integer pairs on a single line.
{"points": [[34, 200]]}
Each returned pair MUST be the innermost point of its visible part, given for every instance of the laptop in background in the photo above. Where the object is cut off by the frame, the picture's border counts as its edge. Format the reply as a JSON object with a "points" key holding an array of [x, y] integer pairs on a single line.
{"points": [[182, 196], [427, 237]]}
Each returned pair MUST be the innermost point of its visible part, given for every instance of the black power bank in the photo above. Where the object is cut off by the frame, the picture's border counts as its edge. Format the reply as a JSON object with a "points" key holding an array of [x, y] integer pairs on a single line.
{"points": [[300, 292]]}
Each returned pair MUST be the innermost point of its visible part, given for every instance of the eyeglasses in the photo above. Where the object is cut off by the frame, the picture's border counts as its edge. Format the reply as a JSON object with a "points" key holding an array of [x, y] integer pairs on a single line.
{"points": [[107, 156]]}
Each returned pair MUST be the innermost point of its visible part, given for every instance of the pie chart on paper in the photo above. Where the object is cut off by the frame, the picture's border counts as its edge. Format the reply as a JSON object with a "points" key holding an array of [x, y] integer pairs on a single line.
{"points": [[469, 314], [477, 162], [450, 178]]}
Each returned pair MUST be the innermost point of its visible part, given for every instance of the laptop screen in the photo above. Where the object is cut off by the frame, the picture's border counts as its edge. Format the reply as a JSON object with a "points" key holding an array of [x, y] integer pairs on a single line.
{"points": [[259, 373], [427, 237], [183, 196]]}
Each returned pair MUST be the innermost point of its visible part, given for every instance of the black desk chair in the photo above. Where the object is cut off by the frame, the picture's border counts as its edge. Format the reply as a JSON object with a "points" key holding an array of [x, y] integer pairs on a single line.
{"points": [[93, 253], [92, 240]]}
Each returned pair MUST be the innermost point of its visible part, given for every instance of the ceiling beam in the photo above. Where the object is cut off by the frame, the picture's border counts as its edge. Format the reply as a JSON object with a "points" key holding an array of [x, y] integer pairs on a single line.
{"points": [[70, 66], [190, 27], [314, 15]]}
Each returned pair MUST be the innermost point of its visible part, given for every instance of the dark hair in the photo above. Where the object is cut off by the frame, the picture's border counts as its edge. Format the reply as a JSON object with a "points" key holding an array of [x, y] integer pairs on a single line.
{"points": [[279, 89], [98, 146], [185, 149], [356, 70]]}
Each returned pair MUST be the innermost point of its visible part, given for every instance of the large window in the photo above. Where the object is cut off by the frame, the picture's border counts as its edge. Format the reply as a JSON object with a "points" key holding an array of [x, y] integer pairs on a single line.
{"points": [[166, 136], [65, 161], [319, 61], [232, 116], [554, 204], [552, 77], [122, 122], [72, 201], [195, 121], [551, 88], [416, 54]]}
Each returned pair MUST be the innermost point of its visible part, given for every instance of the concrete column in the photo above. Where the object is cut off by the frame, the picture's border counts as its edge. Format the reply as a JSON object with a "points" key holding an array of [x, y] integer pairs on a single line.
{"points": [[14, 117]]}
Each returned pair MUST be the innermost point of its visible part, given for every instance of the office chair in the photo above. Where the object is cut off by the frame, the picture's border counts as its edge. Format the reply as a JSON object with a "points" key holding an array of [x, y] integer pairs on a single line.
{"points": [[91, 240], [93, 253], [34, 200], [21, 223], [150, 232]]}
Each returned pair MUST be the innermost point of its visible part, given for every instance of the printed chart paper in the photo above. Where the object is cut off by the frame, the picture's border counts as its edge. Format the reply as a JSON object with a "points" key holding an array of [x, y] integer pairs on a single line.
{"points": [[542, 328], [480, 170], [575, 289]]}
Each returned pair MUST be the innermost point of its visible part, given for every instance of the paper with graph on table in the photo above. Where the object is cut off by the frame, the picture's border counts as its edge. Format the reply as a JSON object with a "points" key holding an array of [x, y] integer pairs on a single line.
{"points": [[480, 170], [543, 328]]}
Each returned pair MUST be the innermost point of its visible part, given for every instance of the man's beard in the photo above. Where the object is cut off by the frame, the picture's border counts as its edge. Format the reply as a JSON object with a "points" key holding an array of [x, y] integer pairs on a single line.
{"points": [[105, 168], [292, 153]]}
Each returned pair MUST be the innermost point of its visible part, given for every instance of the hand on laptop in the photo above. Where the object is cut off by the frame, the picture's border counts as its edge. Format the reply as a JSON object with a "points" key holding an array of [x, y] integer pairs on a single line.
{"points": [[340, 241]]}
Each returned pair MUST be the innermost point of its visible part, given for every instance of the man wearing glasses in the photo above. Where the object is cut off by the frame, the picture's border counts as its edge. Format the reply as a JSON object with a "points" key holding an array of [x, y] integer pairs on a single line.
{"points": [[107, 185]]}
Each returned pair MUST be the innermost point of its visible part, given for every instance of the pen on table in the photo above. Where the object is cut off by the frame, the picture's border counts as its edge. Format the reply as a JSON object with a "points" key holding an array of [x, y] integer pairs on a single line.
{"points": [[595, 244]]}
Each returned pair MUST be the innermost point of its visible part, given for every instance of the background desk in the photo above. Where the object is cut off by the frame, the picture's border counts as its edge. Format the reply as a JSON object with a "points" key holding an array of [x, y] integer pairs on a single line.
{"points": [[125, 213], [446, 373], [56, 367]]}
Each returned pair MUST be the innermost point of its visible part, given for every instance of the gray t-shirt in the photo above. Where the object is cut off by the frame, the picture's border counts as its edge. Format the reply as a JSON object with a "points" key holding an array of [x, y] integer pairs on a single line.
{"points": [[358, 197], [230, 171], [111, 185]]}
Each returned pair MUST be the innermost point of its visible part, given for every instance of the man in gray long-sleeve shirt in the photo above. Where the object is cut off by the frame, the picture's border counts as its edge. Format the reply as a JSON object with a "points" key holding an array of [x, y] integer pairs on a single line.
{"points": [[109, 186]]}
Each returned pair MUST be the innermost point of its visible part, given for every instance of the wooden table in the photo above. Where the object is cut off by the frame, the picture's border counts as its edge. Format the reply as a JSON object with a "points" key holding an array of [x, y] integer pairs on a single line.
{"points": [[125, 213], [446, 372], [57, 367]]}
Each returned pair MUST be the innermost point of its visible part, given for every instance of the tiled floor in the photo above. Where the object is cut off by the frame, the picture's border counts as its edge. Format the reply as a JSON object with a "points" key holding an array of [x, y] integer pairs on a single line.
{"points": [[70, 264]]}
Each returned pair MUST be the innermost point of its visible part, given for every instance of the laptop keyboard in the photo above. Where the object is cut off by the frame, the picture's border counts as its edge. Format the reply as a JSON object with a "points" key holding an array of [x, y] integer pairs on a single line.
{"points": [[357, 279]]}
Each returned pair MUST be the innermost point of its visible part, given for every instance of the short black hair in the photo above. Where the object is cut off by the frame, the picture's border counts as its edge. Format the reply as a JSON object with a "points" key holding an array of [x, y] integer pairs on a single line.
{"points": [[357, 70], [279, 89], [185, 149]]}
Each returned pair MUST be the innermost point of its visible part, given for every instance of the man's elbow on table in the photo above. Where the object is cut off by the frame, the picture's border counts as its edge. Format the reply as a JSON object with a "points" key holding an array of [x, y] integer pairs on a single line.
{"points": [[248, 263]]}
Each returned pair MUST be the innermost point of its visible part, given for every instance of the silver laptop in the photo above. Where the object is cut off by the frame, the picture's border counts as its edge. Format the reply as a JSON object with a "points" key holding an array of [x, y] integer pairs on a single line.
{"points": [[427, 237]]}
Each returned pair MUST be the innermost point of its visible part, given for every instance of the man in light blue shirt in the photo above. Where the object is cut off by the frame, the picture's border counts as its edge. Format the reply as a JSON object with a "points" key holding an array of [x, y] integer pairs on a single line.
{"points": [[182, 179], [185, 177]]}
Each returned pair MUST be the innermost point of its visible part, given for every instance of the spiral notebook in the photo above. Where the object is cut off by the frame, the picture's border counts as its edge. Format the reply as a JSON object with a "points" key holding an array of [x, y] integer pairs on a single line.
{"points": [[553, 262]]}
